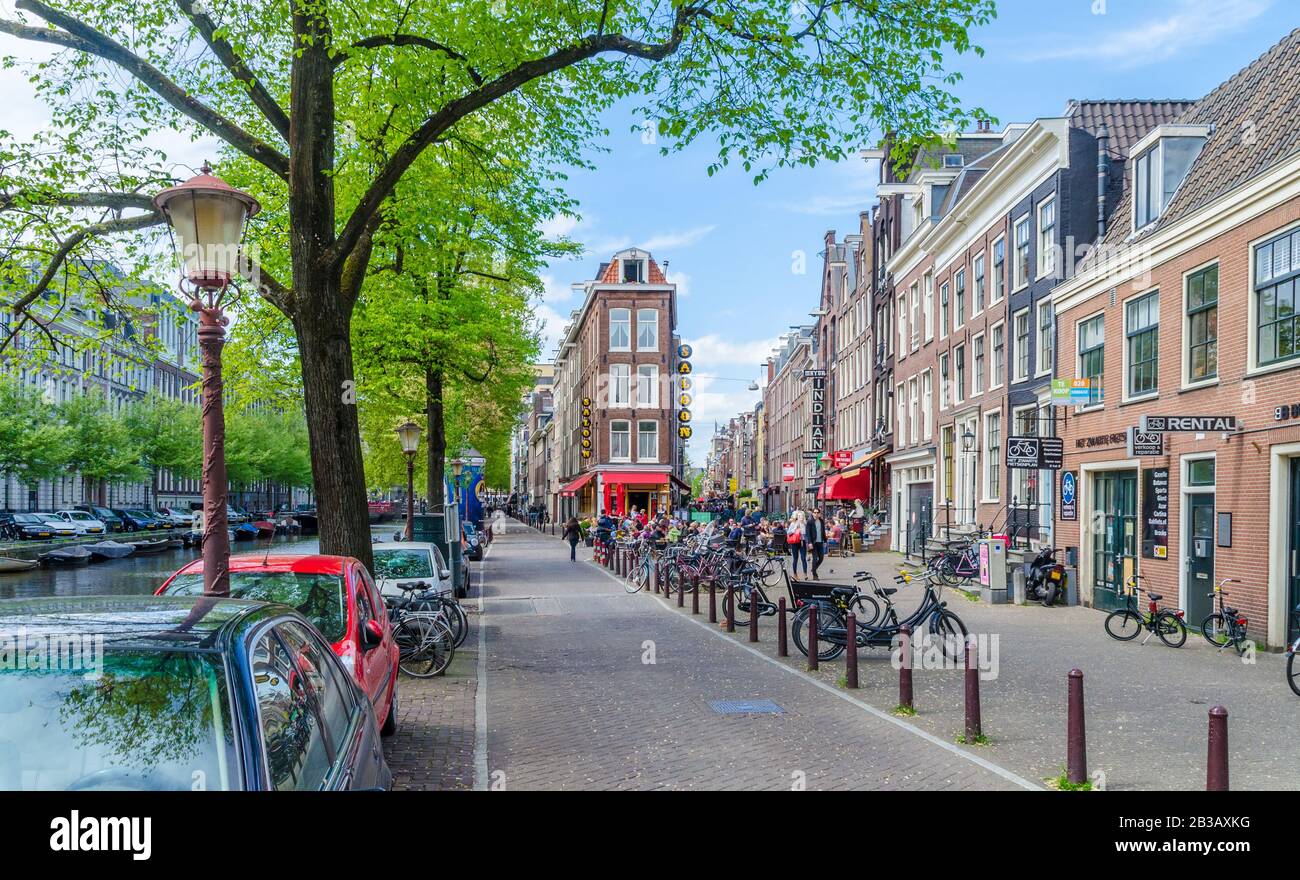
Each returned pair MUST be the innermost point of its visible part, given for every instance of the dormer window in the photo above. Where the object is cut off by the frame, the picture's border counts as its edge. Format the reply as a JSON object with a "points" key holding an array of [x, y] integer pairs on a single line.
{"points": [[1161, 161], [633, 271], [952, 160]]}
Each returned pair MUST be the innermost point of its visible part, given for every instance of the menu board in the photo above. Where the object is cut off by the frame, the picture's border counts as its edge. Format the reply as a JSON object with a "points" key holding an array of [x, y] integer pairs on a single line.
{"points": [[1155, 513]]}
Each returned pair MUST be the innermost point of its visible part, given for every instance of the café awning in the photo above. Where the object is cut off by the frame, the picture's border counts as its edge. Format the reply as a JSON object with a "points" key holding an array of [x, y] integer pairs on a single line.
{"points": [[637, 478], [571, 489], [846, 487]]}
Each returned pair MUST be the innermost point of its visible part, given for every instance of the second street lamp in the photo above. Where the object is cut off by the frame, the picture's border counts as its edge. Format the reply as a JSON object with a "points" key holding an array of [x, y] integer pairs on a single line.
{"points": [[207, 216], [409, 436]]}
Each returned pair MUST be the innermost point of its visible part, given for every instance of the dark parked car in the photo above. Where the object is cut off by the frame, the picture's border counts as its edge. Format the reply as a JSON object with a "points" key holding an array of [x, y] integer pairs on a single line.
{"points": [[473, 542], [137, 520], [24, 526], [188, 693], [111, 520]]}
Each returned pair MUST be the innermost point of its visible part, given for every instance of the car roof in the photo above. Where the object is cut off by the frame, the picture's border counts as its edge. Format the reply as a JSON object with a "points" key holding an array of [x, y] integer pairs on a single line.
{"points": [[145, 622], [403, 545], [302, 563]]}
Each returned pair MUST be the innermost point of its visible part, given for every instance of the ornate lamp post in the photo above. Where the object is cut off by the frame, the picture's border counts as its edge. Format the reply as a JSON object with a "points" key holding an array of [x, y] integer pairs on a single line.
{"points": [[207, 217], [409, 436], [968, 445], [457, 468]]}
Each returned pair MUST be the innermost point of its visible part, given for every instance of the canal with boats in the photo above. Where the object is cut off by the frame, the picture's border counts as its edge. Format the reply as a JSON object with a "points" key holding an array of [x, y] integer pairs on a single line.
{"points": [[141, 575]]}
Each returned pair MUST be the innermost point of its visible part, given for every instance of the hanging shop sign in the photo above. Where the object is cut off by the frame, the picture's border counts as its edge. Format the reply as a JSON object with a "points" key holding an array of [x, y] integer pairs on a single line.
{"points": [[1148, 443], [841, 458], [684, 384], [586, 427], [1155, 513], [1035, 453], [817, 421], [787, 471], [684, 431], [685, 352], [1075, 392], [1101, 440], [1189, 424], [1069, 496]]}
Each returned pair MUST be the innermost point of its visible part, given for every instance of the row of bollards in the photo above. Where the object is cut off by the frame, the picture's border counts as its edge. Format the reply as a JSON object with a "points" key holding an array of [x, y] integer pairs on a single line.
{"points": [[1076, 773]]}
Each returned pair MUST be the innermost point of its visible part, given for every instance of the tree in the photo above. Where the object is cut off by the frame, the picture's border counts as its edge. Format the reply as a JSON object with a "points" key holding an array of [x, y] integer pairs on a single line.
{"points": [[168, 435], [101, 447], [316, 100], [34, 443]]}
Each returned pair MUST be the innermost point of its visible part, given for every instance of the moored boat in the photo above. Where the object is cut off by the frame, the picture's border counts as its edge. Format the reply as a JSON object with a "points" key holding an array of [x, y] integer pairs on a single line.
{"points": [[265, 528], [110, 550], [9, 564], [245, 532], [147, 548], [66, 556]]}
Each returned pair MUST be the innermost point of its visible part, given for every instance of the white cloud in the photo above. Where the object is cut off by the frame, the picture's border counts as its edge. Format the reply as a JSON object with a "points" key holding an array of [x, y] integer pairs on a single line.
{"points": [[559, 226], [724, 370], [683, 282], [1191, 24], [659, 241]]}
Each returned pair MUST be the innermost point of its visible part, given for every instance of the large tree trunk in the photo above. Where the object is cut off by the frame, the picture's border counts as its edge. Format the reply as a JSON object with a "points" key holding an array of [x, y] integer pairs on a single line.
{"points": [[322, 321], [437, 436]]}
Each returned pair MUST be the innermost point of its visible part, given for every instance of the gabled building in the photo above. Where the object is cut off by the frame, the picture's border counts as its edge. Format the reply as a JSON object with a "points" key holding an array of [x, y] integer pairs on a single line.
{"points": [[1185, 318]]}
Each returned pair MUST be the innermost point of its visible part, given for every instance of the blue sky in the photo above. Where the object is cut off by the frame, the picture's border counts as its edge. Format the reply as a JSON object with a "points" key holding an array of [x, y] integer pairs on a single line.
{"points": [[729, 243]]}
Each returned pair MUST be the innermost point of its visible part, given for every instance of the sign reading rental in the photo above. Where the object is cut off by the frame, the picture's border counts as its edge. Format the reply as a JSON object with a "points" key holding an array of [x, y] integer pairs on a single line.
{"points": [[1186, 424]]}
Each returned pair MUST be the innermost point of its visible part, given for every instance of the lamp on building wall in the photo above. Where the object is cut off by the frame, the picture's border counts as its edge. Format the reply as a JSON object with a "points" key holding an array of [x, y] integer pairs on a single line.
{"points": [[968, 446], [207, 217], [409, 436]]}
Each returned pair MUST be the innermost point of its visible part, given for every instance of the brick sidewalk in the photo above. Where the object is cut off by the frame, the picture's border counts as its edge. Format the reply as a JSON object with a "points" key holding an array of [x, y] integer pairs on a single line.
{"points": [[433, 749]]}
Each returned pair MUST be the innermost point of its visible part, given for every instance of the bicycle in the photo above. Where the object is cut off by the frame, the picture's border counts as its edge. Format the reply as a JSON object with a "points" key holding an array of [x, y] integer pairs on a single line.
{"points": [[425, 641], [832, 621], [1227, 626], [1125, 623], [1293, 668]]}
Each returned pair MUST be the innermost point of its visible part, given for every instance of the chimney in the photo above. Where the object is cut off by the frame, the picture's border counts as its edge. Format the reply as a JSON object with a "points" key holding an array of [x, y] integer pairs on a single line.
{"points": [[1103, 178]]}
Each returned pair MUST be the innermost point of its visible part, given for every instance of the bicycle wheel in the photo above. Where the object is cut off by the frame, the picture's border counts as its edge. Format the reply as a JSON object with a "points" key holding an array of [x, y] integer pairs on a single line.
{"points": [[866, 611], [1171, 629], [738, 597], [827, 618], [673, 581], [457, 620], [424, 645], [1293, 672], [636, 578], [770, 572], [1123, 624], [951, 632], [1217, 630]]}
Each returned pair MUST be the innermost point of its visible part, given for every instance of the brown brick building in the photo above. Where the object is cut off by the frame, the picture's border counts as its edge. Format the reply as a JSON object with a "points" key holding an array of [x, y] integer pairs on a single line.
{"points": [[1189, 309], [620, 371]]}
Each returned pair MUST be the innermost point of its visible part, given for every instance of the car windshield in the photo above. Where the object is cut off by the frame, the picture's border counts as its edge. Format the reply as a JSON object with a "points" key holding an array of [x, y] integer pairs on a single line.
{"points": [[50, 518], [139, 720], [81, 515], [102, 512], [396, 564], [27, 518], [318, 597]]}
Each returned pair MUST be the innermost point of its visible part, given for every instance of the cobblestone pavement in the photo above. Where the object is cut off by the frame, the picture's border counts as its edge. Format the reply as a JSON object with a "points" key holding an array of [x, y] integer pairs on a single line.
{"points": [[571, 702], [433, 749], [1147, 705]]}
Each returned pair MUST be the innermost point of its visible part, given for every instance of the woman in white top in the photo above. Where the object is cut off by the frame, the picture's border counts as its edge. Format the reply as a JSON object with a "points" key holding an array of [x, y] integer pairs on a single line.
{"points": [[798, 524]]}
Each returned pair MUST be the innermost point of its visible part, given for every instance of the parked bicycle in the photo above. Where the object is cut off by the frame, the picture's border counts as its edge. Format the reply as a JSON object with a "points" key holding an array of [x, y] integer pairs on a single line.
{"points": [[1227, 626], [422, 629], [1292, 667], [931, 615], [1125, 623]]}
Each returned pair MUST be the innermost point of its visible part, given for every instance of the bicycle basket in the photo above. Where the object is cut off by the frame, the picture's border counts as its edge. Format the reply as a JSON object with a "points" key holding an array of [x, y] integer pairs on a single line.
{"points": [[803, 592]]}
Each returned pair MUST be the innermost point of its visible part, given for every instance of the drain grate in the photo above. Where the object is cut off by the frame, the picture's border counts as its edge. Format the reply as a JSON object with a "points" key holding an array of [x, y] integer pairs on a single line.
{"points": [[745, 707]]}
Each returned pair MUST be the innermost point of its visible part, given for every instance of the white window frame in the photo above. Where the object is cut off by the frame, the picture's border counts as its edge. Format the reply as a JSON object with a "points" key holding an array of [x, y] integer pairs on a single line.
{"points": [[976, 373], [1186, 321], [928, 306], [979, 284], [992, 463], [945, 379], [1018, 283], [620, 378], [627, 431], [650, 371], [1253, 367], [944, 310], [1078, 359], [627, 324], [958, 382], [959, 275], [900, 408], [913, 401], [997, 364], [999, 291], [1044, 355], [1046, 256], [1016, 375], [927, 405], [902, 325], [653, 458], [1127, 397], [654, 322], [914, 315]]}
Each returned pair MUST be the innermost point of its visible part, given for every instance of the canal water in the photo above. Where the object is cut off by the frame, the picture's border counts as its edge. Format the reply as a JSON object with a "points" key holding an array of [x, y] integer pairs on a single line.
{"points": [[141, 575]]}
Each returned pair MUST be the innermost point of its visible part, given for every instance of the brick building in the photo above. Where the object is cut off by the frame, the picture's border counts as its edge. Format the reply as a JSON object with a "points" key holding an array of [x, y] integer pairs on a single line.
{"points": [[786, 403], [620, 443], [1188, 308]]}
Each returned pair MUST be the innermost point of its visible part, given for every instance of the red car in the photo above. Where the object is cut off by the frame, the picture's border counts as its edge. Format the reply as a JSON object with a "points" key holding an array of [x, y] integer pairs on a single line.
{"points": [[337, 595]]}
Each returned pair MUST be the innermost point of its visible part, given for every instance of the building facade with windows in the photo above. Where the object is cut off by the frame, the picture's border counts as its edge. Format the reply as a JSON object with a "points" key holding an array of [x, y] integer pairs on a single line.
{"points": [[1188, 308], [621, 438], [786, 401]]}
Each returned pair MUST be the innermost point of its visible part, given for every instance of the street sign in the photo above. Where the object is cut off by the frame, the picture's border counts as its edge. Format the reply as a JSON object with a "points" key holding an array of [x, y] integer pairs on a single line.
{"points": [[841, 458], [1188, 424], [1074, 392], [814, 374], [817, 420], [1145, 442], [1035, 453], [1069, 496], [787, 471]]}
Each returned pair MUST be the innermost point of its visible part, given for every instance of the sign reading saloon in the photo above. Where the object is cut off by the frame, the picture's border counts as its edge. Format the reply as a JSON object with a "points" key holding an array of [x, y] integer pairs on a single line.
{"points": [[1186, 424], [817, 423]]}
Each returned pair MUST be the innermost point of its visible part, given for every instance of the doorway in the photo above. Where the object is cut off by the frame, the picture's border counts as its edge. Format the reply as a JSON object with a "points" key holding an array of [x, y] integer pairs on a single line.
{"points": [[1293, 555], [919, 507], [1114, 551], [1198, 554]]}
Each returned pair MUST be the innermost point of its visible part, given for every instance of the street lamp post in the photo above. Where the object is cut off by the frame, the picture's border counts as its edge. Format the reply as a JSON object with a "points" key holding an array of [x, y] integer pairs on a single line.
{"points": [[968, 445], [409, 436], [457, 468], [207, 217]]}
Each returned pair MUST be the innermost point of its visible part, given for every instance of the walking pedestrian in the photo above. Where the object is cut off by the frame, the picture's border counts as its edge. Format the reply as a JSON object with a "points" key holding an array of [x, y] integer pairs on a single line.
{"points": [[817, 540], [573, 534], [795, 536]]}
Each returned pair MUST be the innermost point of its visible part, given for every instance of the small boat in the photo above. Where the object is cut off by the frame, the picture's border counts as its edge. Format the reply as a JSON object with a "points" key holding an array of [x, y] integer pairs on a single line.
{"points": [[110, 550], [148, 548], [8, 564], [245, 532], [265, 528], [66, 556]]}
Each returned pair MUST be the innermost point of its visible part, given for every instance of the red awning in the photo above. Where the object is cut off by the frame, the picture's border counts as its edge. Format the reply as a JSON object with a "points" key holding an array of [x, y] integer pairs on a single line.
{"points": [[577, 484], [841, 488], [639, 478]]}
